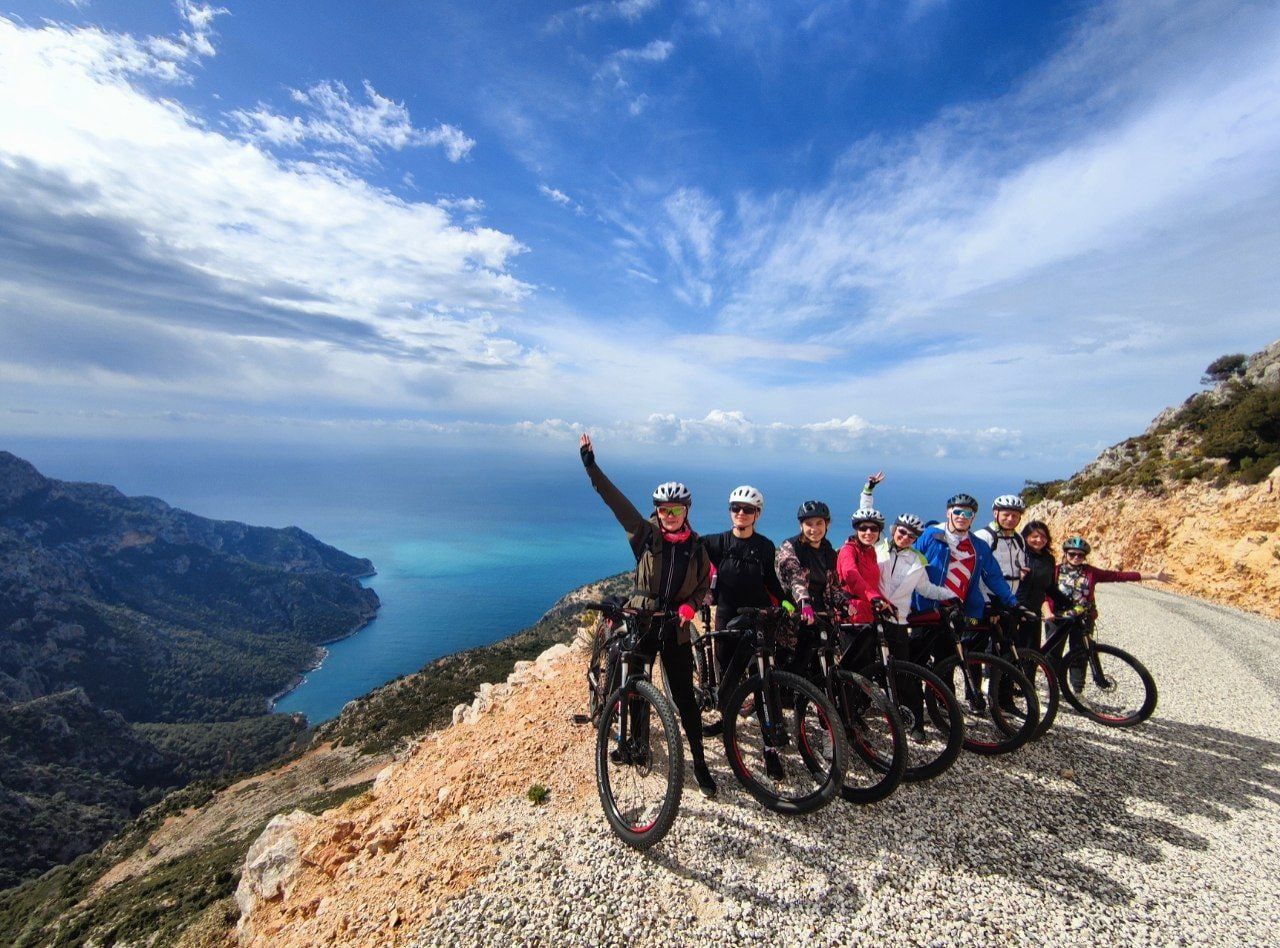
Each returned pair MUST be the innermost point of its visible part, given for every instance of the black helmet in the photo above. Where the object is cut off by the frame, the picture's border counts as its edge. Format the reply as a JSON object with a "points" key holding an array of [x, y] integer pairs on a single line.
{"points": [[1076, 544], [813, 508], [963, 500]]}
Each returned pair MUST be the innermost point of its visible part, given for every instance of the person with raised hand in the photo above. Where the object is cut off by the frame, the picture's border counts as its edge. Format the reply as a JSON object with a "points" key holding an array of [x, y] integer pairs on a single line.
{"points": [[744, 577], [673, 574]]}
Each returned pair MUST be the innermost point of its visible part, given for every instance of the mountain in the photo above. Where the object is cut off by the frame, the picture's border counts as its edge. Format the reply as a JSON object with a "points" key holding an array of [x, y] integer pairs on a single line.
{"points": [[1198, 492], [139, 645], [168, 877]]}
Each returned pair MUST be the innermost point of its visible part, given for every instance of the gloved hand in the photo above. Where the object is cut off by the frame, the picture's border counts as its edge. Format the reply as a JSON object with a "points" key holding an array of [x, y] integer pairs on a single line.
{"points": [[806, 613], [588, 456], [686, 614], [789, 606]]}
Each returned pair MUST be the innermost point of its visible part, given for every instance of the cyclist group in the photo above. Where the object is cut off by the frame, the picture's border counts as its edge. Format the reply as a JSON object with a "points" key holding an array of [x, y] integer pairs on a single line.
{"points": [[915, 570]]}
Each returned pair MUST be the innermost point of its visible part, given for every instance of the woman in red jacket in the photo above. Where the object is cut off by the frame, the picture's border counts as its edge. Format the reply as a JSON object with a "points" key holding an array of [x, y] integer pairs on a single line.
{"points": [[858, 570]]}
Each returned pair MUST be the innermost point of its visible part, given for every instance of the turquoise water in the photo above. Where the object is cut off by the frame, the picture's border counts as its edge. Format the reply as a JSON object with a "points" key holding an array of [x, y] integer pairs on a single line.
{"points": [[470, 546]]}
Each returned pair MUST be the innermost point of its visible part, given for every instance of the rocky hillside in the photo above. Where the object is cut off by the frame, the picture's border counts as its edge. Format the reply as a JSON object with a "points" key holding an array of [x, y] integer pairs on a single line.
{"points": [[1197, 492], [169, 876], [138, 647]]}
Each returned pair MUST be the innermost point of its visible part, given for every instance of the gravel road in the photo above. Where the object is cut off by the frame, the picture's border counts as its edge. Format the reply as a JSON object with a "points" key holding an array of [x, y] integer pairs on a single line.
{"points": [[1167, 834]]}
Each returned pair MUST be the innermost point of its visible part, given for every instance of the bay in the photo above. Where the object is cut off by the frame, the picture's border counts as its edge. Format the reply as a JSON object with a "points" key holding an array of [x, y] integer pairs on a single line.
{"points": [[470, 543]]}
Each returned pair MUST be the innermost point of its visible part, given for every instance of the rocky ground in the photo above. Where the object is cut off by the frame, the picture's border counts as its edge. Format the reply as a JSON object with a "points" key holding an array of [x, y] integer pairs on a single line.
{"points": [[1160, 835]]}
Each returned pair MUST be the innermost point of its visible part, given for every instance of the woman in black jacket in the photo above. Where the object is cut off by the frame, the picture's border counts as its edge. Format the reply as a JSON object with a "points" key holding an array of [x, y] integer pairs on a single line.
{"points": [[1039, 583], [673, 574]]}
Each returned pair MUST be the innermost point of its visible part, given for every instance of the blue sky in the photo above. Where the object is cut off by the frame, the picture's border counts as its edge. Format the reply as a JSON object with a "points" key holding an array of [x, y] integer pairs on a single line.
{"points": [[926, 232]]}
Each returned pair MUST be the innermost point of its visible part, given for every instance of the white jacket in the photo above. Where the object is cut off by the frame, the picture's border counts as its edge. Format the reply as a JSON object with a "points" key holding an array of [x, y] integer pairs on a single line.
{"points": [[903, 572], [1010, 551]]}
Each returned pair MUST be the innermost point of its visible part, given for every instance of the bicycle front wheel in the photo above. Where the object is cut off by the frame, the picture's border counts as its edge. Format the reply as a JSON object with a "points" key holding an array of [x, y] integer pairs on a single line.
{"points": [[782, 742], [877, 741], [1108, 685], [1044, 678], [930, 710], [998, 702], [639, 764]]}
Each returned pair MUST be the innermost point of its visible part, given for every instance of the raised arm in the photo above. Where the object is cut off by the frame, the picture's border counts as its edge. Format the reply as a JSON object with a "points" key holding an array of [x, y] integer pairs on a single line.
{"points": [[866, 500], [632, 521]]}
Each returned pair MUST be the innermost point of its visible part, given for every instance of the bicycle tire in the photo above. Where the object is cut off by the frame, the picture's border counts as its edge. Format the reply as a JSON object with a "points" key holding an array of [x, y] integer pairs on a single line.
{"points": [[1006, 733], [934, 758], [877, 740], [1037, 667], [639, 822], [1103, 706], [597, 686], [801, 788]]}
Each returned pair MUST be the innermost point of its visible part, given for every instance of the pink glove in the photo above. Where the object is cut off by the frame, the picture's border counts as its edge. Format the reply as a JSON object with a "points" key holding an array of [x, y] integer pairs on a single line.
{"points": [[806, 613], [686, 614]]}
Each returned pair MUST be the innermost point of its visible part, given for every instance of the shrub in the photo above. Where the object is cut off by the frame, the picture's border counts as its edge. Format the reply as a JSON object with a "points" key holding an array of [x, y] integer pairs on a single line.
{"points": [[1224, 367]]}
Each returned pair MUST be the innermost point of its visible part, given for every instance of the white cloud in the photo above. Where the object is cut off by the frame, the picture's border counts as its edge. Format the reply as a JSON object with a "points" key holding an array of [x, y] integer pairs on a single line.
{"points": [[602, 10], [555, 194], [653, 52], [344, 128], [128, 220], [689, 238]]}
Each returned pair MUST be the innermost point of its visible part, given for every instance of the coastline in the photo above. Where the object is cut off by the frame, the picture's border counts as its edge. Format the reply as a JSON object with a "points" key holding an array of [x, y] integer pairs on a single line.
{"points": [[322, 653]]}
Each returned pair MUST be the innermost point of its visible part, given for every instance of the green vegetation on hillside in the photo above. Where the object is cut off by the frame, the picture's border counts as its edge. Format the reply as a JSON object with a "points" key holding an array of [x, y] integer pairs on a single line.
{"points": [[1228, 435]]}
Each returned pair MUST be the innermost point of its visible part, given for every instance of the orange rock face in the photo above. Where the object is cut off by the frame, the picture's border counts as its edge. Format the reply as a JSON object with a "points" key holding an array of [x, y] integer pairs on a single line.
{"points": [[373, 869], [1220, 544]]}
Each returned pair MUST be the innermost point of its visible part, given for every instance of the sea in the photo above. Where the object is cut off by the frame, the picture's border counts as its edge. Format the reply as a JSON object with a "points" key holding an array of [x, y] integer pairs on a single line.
{"points": [[470, 544]]}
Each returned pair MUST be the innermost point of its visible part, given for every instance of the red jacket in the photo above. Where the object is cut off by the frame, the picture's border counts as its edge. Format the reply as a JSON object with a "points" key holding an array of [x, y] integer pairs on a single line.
{"points": [[1082, 594], [859, 577]]}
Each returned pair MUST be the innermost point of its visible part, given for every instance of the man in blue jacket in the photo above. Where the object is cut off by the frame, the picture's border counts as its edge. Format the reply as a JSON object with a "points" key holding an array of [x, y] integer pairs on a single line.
{"points": [[957, 560]]}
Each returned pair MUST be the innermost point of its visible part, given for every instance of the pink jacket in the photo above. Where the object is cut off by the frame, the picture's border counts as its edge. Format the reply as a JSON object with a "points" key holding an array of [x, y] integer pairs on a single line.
{"points": [[860, 577]]}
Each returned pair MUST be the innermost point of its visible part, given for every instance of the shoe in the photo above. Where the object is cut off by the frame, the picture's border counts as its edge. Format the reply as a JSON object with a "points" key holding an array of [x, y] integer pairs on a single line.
{"points": [[706, 782], [620, 755], [917, 734], [1075, 677], [714, 729], [773, 766]]}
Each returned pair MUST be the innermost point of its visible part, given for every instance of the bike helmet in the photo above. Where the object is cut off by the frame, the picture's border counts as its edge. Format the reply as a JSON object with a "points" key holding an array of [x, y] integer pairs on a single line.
{"points": [[1008, 502], [910, 522], [813, 508], [963, 500], [746, 494], [1076, 543], [672, 492], [867, 515]]}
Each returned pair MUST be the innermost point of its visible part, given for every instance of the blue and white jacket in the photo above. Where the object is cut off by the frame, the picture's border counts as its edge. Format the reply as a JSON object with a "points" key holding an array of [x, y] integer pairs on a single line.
{"points": [[937, 552]]}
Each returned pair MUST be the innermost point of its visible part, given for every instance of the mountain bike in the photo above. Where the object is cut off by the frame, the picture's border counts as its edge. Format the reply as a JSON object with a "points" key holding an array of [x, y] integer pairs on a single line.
{"points": [[919, 696], [872, 725], [639, 754], [1104, 683], [786, 752], [996, 633], [999, 704]]}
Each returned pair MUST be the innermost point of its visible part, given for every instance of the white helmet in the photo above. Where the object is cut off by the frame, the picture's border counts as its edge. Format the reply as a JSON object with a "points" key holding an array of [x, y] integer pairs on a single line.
{"points": [[746, 494], [910, 522], [672, 492], [868, 515], [1008, 502]]}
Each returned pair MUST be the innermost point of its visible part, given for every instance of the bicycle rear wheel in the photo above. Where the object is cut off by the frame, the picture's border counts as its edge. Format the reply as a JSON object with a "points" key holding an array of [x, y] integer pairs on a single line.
{"points": [[1108, 685], [1001, 712], [639, 764], [932, 706], [784, 749], [877, 741]]}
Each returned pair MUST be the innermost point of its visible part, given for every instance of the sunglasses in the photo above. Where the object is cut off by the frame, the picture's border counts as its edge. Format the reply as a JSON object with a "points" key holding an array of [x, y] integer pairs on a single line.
{"points": [[862, 527], [670, 511], [743, 508], [963, 513], [1079, 553]]}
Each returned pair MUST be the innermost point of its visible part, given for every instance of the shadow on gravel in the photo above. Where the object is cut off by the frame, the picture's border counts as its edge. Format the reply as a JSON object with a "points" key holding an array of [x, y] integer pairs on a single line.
{"points": [[1029, 817]]}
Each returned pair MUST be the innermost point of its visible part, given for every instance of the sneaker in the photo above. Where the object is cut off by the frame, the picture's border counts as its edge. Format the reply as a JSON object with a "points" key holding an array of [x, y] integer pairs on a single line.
{"points": [[773, 766], [917, 734], [620, 755], [706, 782], [714, 729]]}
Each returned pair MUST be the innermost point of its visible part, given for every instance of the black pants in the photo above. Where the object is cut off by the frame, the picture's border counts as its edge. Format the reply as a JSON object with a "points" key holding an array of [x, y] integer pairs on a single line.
{"points": [[732, 655], [1029, 634], [677, 665]]}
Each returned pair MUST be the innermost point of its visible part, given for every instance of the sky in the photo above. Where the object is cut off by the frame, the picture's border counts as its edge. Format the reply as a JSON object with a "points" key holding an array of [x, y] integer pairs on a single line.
{"points": [[929, 232]]}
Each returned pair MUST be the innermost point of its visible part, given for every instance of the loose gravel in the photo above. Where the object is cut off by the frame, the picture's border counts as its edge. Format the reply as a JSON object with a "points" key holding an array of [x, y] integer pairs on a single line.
{"points": [[1166, 834]]}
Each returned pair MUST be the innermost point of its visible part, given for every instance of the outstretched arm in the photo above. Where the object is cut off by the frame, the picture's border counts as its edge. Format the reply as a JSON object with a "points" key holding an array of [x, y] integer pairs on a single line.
{"points": [[631, 519]]}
